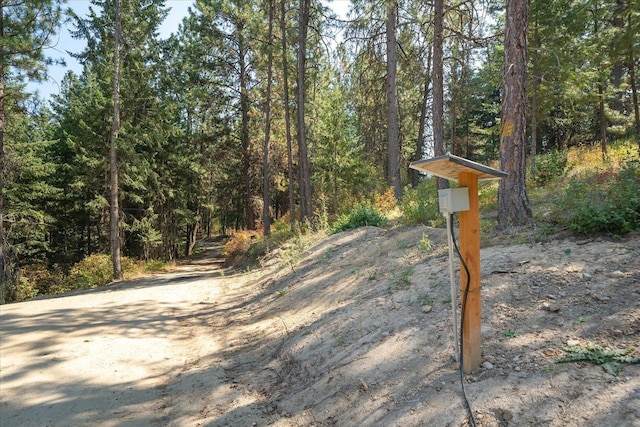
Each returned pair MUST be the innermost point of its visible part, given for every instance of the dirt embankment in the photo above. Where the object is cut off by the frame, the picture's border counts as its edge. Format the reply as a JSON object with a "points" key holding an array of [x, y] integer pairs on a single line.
{"points": [[354, 330]]}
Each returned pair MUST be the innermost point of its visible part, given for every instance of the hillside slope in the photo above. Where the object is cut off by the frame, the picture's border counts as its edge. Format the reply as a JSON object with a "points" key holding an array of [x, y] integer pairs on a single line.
{"points": [[355, 330], [359, 333]]}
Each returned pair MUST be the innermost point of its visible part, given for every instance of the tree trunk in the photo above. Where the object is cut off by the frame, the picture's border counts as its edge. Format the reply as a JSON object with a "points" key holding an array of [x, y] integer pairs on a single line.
{"points": [[438, 85], [454, 90], [244, 131], [287, 116], [393, 129], [192, 235], [306, 211], [113, 151], [266, 199], [3, 254], [602, 121], [632, 79], [634, 91], [534, 104], [617, 71], [415, 174], [513, 202], [602, 118]]}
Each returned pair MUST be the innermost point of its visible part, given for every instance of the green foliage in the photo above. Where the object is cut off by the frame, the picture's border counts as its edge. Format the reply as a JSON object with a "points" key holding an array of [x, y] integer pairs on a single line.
{"points": [[605, 202], [360, 216], [610, 359], [238, 245], [425, 244], [97, 270], [155, 266], [549, 166], [420, 204], [27, 28], [24, 289], [405, 276], [510, 334]]}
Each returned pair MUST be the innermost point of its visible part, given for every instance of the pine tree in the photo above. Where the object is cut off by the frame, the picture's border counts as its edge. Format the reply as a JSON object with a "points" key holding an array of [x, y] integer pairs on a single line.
{"points": [[393, 127], [513, 202], [25, 30]]}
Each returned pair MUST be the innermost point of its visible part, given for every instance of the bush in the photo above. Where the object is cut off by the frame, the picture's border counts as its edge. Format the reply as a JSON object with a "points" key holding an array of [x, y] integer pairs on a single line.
{"points": [[603, 203], [282, 225], [549, 166], [45, 280], [360, 216], [420, 204], [97, 270], [155, 266], [94, 270], [386, 201], [238, 245], [24, 289]]}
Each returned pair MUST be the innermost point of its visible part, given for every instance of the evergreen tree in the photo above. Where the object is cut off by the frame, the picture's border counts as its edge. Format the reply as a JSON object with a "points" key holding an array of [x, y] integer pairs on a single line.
{"points": [[143, 129], [513, 202], [25, 30], [393, 129]]}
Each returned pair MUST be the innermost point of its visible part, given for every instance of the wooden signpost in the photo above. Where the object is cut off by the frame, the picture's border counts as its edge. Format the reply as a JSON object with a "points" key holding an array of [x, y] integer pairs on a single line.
{"points": [[467, 174]]}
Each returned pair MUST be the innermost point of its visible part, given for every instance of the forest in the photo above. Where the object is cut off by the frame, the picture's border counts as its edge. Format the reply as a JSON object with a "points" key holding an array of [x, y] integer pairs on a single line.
{"points": [[274, 115]]}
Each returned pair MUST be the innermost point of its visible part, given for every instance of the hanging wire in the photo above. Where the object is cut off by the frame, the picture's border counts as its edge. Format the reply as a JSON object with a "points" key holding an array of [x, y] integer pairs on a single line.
{"points": [[462, 312]]}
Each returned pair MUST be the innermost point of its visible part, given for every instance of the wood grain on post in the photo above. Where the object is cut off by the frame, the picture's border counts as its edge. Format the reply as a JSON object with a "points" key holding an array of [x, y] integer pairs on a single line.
{"points": [[470, 251]]}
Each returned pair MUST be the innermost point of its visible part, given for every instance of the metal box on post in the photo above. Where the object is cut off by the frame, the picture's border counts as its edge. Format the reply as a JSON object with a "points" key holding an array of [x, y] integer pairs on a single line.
{"points": [[464, 200]]}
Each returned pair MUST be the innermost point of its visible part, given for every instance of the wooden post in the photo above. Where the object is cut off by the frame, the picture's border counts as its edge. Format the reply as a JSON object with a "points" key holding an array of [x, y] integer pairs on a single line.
{"points": [[470, 251]]}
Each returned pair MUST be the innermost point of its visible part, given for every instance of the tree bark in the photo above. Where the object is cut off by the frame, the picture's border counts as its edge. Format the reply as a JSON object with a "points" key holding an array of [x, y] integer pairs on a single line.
{"points": [[438, 85], [634, 91], [266, 199], [602, 118], [534, 103], [306, 211], [287, 115], [632, 79], [393, 129], [602, 121], [513, 201], [415, 175], [3, 260], [244, 130], [113, 151]]}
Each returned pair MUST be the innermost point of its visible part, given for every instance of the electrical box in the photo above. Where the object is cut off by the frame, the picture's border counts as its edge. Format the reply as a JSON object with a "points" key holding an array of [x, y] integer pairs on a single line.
{"points": [[453, 200]]}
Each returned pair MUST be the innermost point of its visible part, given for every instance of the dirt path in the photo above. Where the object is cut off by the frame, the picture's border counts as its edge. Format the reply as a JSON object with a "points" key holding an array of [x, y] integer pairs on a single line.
{"points": [[352, 330], [110, 356]]}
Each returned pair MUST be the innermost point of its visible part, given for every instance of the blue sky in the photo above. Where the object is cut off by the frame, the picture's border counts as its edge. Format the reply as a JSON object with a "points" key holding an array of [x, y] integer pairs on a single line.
{"points": [[65, 43]]}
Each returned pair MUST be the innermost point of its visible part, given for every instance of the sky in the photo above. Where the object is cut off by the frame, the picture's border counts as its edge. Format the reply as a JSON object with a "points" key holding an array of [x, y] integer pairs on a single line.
{"points": [[64, 42]]}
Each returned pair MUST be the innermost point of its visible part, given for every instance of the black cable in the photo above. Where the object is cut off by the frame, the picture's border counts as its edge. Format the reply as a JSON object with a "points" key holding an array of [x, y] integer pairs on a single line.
{"points": [[462, 312]]}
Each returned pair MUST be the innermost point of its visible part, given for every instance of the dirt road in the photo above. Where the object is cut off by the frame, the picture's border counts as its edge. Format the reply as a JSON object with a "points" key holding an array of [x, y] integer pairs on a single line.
{"points": [[110, 356]]}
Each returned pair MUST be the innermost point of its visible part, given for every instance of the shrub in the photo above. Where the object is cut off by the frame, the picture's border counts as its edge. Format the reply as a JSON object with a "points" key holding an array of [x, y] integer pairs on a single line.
{"points": [[155, 266], [94, 270], [282, 225], [23, 289], [97, 270], [238, 245], [360, 216], [420, 204], [603, 203], [488, 195], [42, 278], [549, 166], [386, 201]]}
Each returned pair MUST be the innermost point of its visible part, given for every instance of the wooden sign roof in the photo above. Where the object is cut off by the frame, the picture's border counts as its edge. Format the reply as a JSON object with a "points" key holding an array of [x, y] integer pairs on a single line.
{"points": [[450, 167]]}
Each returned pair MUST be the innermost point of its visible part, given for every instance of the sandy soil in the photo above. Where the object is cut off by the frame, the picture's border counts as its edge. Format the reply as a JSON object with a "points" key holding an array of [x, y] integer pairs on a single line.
{"points": [[353, 330]]}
